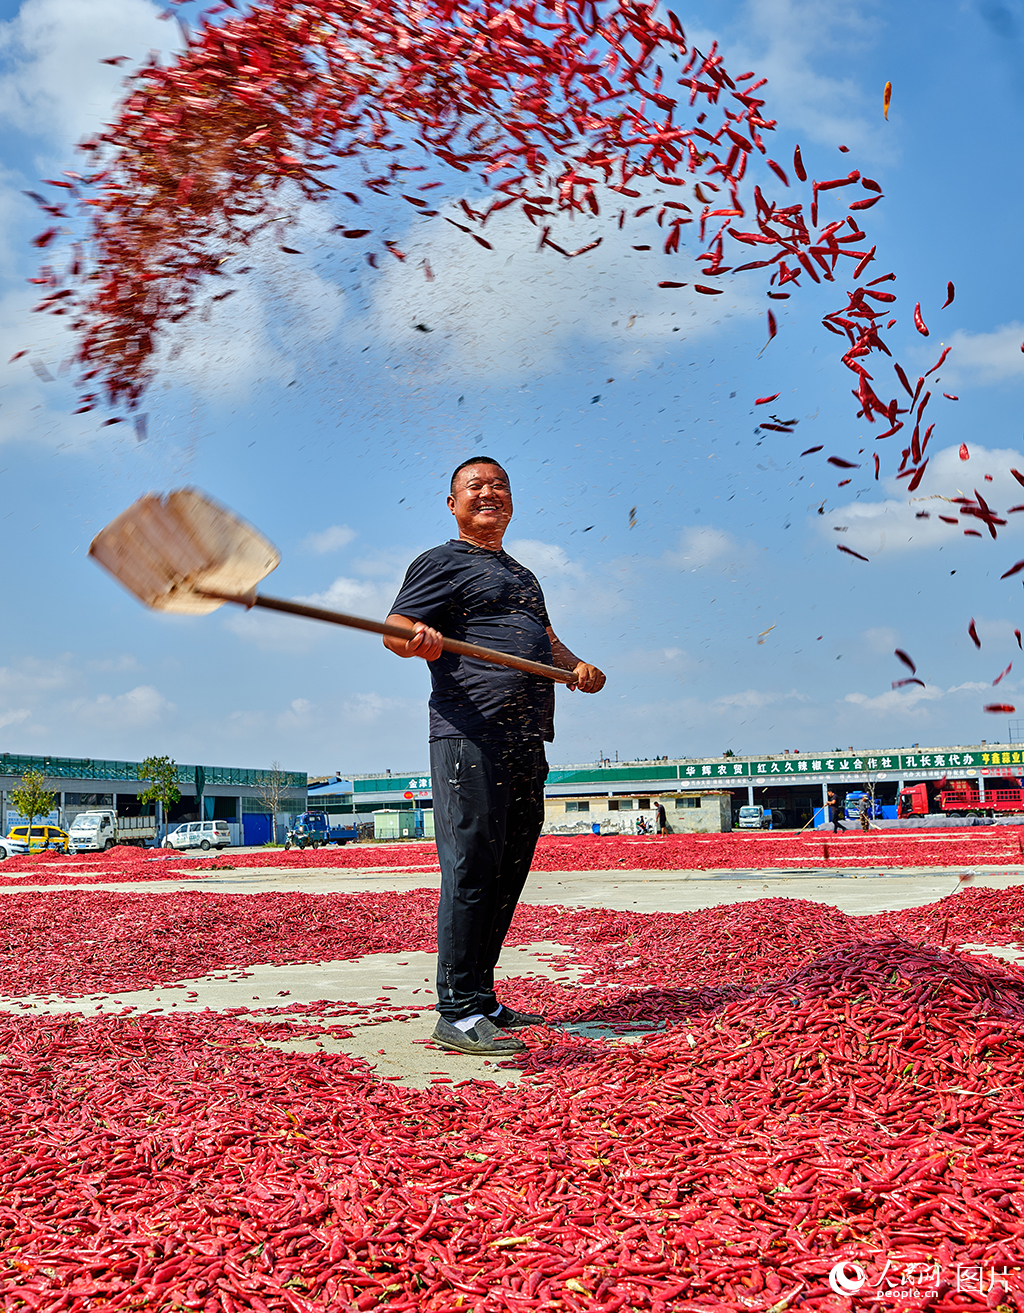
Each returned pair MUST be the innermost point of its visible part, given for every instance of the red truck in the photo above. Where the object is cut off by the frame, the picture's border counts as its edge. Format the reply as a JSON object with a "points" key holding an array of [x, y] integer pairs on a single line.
{"points": [[959, 797]]}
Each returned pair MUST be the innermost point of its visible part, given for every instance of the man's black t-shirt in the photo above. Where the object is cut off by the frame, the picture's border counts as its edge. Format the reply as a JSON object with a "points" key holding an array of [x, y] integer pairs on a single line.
{"points": [[484, 597]]}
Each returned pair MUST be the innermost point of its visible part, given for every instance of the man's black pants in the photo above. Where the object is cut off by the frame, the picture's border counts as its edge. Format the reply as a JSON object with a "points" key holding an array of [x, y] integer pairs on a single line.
{"points": [[488, 814]]}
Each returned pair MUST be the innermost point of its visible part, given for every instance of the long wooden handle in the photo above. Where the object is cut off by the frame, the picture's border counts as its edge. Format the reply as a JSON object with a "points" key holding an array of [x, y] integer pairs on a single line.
{"points": [[397, 631]]}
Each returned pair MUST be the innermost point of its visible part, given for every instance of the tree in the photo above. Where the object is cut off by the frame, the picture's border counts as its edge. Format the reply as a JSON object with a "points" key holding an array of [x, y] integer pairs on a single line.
{"points": [[164, 791], [33, 799], [270, 786]]}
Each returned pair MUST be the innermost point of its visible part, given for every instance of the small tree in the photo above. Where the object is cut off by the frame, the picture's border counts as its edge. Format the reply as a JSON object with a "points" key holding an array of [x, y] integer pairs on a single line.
{"points": [[164, 791], [270, 786], [33, 799]]}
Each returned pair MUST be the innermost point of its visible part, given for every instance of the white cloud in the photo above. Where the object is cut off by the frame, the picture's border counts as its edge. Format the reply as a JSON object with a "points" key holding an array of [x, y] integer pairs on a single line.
{"points": [[370, 708], [139, 708], [513, 310], [702, 545], [17, 716], [756, 698], [892, 525], [546, 560], [330, 540], [788, 42], [56, 84], [898, 701], [987, 357], [881, 641]]}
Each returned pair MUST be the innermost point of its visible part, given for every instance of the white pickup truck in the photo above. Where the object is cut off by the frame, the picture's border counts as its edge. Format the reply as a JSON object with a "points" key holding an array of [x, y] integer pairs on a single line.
{"points": [[96, 831]]}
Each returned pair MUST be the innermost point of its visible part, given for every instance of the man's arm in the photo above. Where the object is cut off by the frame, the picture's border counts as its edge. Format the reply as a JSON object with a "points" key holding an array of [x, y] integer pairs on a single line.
{"points": [[427, 643], [588, 678]]}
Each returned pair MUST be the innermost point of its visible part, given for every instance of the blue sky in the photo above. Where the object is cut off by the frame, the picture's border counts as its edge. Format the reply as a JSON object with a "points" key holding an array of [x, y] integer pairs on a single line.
{"points": [[313, 406]]}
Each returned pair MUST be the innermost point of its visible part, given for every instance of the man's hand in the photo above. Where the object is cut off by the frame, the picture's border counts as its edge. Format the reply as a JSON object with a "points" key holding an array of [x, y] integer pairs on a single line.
{"points": [[588, 678], [427, 643]]}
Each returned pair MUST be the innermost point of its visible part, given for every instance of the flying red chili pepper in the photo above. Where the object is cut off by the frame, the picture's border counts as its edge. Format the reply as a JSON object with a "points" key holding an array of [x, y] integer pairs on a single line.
{"points": [[949, 396], [1016, 634], [886, 100], [842, 464], [950, 293], [974, 634], [902, 683], [798, 165], [906, 660], [1014, 569], [964, 453], [761, 401], [811, 450], [919, 323], [1000, 709], [850, 552], [668, 284], [1001, 674]]}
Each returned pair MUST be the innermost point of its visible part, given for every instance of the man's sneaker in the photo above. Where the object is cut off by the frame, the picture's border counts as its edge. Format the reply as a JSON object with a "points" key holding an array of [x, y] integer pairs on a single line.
{"points": [[484, 1039], [509, 1019]]}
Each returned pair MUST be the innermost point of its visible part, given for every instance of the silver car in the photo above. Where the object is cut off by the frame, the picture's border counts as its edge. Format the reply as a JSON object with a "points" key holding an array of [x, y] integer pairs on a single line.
{"points": [[12, 848], [200, 834]]}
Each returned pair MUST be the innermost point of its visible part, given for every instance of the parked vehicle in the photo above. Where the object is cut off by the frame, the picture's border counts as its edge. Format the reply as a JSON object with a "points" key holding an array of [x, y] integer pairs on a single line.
{"points": [[755, 818], [41, 838], [12, 848], [961, 797], [199, 834], [314, 830], [96, 831], [853, 804]]}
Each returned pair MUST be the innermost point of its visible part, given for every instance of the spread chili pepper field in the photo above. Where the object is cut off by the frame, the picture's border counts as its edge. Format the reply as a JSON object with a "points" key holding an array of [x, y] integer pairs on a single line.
{"points": [[827, 1087], [982, 846]]}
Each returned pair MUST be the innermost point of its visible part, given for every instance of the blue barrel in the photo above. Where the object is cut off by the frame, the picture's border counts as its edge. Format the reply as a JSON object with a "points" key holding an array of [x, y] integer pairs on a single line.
{"points": [[596, 827]]}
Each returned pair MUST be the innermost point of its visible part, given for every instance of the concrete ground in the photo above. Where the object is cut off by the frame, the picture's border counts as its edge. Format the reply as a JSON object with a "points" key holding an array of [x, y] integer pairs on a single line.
{"points": [[389, 983]]}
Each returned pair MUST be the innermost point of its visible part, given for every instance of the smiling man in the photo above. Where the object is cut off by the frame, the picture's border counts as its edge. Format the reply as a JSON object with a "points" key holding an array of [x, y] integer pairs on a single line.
{"points": [[488, 726]]}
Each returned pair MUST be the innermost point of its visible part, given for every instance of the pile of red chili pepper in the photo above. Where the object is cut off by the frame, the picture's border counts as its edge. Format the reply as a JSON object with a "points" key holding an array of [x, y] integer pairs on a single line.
{"points": [[827, 1089], [552, 106], [74, 944]]}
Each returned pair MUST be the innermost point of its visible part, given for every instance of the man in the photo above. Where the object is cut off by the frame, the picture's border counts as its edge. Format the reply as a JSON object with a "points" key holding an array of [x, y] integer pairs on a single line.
{"points": [[488, 726], [838, 807], [661, 818]]}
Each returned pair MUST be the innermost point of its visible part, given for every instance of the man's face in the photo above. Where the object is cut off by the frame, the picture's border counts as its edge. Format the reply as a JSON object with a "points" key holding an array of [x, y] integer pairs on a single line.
{"points": [[481, 502]]}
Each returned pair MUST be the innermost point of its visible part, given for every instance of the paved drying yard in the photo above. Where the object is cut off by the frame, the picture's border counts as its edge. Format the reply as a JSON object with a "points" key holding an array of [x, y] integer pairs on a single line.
{"points": [[219, 1091]]}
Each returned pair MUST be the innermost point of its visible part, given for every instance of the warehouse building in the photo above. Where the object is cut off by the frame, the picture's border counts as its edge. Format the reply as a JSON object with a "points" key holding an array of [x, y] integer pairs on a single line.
{"points": [[794, 785], [213, 793]]}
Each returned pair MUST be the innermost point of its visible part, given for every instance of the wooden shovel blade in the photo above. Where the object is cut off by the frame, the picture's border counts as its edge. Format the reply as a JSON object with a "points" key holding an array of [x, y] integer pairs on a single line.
{"points": [[167, 549]]}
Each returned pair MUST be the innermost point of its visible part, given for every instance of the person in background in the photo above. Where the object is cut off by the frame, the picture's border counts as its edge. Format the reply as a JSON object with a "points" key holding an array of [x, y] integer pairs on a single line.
{"points": [[660, 818], [837, 813]]}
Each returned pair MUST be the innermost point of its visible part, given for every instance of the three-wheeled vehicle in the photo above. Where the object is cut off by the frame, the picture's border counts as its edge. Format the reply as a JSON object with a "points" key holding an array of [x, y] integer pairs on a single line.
{"points": [[314, 830]]}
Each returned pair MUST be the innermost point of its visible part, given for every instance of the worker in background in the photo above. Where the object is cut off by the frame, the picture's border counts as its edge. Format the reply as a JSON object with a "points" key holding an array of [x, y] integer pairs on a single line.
{"points": [[660, 818], [837, 813]]}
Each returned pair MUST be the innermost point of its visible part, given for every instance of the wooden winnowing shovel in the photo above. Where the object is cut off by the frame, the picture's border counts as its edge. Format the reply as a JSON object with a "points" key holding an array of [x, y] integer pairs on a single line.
{"points": [[185, 553]]}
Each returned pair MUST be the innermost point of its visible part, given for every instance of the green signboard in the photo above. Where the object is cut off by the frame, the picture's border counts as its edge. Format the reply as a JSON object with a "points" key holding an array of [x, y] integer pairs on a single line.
{"points": [[749, 770]]}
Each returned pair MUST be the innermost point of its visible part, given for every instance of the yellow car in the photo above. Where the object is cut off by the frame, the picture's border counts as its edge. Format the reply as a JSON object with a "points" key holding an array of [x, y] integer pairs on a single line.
{"points": [[43, 836]]}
